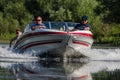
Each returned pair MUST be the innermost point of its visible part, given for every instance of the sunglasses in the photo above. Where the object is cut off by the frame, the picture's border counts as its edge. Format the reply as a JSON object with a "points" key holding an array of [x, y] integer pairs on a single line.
{"points": [[84, 20], [39, 20]]}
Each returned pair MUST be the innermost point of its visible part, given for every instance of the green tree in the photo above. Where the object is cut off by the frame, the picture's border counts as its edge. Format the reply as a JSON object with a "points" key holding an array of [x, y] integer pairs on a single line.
{"points": [[109, 10], [16, 10]]}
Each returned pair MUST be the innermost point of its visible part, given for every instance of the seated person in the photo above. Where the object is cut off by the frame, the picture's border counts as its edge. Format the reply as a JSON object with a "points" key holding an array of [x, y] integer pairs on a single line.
{"points": [[83, 25], [18, 34], [38, 24]]}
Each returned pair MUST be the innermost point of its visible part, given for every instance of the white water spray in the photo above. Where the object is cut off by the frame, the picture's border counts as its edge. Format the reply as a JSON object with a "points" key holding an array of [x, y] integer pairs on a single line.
{"points": [[102, 54], [93, 54], [6, 54]]}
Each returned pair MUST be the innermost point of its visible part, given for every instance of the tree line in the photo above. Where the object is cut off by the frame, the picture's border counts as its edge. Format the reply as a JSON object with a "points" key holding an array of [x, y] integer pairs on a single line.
{"points": [[103, 15]]}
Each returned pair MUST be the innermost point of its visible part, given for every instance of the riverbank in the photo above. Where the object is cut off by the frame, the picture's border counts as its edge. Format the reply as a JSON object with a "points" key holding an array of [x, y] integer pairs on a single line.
{"points": [[4, 41]]}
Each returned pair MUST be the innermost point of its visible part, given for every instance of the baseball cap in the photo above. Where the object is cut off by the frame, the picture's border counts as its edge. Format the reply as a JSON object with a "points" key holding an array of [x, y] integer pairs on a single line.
{"points": [[84, 18]]}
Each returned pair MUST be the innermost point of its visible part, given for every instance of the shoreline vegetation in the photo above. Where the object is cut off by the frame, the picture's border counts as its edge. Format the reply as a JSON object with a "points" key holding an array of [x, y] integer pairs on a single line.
{"points": [[4, 41], [104, 19]]}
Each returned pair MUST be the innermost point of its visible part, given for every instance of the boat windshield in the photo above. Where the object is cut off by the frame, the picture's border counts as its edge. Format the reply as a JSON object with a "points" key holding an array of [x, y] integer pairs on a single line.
{"points": [[62, 26]]}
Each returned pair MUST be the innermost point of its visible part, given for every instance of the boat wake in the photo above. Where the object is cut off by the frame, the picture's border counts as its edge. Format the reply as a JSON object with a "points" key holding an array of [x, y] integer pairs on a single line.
{"points": [[6, 54], [102, 54]]}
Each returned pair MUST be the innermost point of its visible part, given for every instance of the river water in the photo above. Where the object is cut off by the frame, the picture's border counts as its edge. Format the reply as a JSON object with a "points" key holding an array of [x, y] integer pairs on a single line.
{"points": [[102, 64]]}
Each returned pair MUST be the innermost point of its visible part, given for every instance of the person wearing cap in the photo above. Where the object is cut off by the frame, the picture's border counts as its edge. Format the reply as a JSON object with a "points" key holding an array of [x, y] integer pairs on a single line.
{"points": [[83, 25], [18, 34], [38, 24]]}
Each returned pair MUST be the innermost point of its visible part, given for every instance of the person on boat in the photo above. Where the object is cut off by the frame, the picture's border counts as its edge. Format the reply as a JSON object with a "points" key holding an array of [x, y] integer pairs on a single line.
{"points": [[38, 24], [18, 34], [83, 25]]}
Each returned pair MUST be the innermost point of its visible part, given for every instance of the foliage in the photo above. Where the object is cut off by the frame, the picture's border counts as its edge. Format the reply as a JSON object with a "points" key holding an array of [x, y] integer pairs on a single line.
{"points": [[103, 14], [109, 10]]}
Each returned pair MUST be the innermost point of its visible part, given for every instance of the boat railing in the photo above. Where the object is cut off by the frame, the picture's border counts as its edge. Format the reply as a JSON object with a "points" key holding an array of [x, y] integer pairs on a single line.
{"points": [[28, 28], [62, 26]]}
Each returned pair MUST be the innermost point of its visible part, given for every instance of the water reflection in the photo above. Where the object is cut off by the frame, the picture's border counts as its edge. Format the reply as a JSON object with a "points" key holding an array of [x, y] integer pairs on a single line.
{"points": [[104, 65], [35, 71], [50, 70], [84, 72]]}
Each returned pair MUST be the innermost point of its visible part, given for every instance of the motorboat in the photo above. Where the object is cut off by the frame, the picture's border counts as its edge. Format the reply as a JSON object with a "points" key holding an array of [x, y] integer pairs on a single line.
{"points": [[54, 40]]}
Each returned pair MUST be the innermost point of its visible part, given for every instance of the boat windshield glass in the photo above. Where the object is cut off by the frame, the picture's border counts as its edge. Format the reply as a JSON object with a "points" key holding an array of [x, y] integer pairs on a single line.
{"points": [[62, 26]]}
